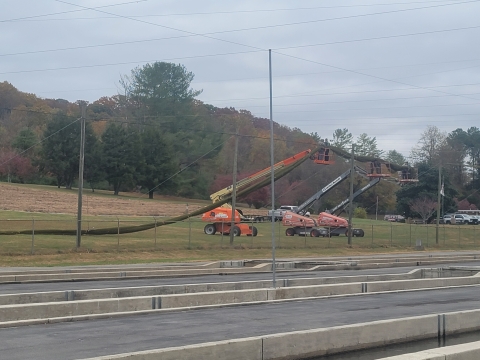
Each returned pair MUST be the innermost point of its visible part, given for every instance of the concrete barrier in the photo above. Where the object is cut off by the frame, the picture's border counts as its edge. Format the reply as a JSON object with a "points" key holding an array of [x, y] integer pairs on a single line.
{"points": [[421, 283], [345, 338], [297, 344], [9, 313], [462, 321], [89, 294], [211, 298], [470, 351], [72, 303], [249, 348]]}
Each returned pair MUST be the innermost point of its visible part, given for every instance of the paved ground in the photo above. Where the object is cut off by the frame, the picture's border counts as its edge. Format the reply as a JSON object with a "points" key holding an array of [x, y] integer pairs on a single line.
{"points": [[64, 286], [141, 332]]}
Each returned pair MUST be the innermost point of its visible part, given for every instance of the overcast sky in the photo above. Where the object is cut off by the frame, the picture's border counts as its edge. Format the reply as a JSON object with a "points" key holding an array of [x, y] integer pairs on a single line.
{"points": [[388, 68]]}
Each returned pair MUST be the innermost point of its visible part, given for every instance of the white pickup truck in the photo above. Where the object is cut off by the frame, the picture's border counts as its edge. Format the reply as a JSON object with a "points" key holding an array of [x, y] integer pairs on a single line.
{"points": [[278, 214]]}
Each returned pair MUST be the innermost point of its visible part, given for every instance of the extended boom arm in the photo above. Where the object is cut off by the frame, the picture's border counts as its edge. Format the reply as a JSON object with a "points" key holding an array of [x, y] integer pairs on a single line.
{"points": [[303, 207]]}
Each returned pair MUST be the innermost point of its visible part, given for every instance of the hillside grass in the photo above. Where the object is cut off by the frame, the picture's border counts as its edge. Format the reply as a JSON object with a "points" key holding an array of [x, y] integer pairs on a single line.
{"points": [[183, 241], [186, 241]]}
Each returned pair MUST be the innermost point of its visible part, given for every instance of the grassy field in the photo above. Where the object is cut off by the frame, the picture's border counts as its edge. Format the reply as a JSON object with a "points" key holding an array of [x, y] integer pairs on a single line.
{"points": [[183, 241], [186, 241]]}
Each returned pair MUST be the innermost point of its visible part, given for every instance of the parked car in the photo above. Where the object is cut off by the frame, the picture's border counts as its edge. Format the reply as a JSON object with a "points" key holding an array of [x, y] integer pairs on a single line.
{"points": [[278, 214], [394, 218], [476, 219], [458, 219], [468, 219]]}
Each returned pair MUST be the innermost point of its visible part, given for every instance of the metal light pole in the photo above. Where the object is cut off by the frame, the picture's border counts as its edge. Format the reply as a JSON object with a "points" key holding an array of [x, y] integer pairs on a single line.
{"points": [[350, 201], [438, 203], [272, 183], [83, 106], [234, 189]]}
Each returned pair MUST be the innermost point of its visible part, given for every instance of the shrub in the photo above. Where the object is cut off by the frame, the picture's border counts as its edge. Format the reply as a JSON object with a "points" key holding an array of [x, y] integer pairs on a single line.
{"points": [[360, 213]]}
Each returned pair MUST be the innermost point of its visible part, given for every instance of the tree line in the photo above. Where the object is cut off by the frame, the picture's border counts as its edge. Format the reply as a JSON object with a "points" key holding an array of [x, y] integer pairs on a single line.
{"points": [[157, 137]]}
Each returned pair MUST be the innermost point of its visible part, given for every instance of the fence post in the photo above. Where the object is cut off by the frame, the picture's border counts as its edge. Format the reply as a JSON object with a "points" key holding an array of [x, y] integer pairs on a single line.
{"points": [[391, 233], [221, 239], [410, 235], [251, 224], [155, 232], [474, 235], [372, 235], [459, 237], [279, 232], [305, 234], [329, 236], [443, 235], [118, 234], [427, 235], [189, 231], [32, 251]]}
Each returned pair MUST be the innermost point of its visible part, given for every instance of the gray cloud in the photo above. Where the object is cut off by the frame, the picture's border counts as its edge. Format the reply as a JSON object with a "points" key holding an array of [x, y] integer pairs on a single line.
{"points": [[428, 70]]}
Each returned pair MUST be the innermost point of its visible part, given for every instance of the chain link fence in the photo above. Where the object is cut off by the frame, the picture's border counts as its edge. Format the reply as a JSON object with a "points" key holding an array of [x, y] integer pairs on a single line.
{"points": [[189, 234]]}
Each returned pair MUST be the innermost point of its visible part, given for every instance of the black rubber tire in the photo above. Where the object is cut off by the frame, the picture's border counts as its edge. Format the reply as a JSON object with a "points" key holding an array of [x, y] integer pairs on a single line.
{"points": [[314, 233], [210, 229], [254, 230], [360, 233], [237, 231], [290, 232]]}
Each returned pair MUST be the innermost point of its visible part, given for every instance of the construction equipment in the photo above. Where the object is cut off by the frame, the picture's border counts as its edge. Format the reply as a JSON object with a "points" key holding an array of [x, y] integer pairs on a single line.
{"points": [[323, 156], [220, 219], [379, 169], [300, 223], [340, 207]]}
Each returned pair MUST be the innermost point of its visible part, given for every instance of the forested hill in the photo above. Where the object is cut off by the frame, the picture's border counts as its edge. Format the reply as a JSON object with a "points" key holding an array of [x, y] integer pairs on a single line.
{"points": [[157, 137]]}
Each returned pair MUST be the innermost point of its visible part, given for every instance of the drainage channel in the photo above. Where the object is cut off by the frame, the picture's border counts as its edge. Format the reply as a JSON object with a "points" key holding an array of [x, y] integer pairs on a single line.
{"points": [[401, 349]]}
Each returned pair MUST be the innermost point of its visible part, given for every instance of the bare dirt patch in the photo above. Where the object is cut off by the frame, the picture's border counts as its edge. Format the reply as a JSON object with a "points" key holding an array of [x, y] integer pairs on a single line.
{"points": [[15, 197]]}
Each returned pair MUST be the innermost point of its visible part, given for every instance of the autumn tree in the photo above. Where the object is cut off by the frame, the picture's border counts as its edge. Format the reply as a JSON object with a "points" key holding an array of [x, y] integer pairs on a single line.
{"points": [[14, 167], [429, 146], [423, 206], [427, 187]]}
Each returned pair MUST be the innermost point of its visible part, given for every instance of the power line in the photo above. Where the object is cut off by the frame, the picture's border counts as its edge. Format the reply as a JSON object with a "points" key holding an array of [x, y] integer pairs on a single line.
{"points": [[69, 12], [271, 26], [373, 76], [238, 11], [124, 63], [342, 93], [240, 30]]}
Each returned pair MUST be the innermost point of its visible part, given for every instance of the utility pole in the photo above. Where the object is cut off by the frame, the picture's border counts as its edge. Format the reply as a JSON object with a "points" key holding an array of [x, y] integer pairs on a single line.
{"points": [[272, 162], [438, 202], [234, 189], [83, 106], [350, 202]]}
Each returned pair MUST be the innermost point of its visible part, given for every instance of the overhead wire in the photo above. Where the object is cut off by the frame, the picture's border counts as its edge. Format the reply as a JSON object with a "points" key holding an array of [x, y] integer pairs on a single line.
{"points": [[239, 11], [69, 11], [239, 30]]}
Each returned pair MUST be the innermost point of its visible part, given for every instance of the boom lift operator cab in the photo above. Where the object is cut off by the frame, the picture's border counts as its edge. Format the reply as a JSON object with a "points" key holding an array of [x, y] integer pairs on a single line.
{"points": [[378, 169], [323, 156], [407, 175], [220, 218]]}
